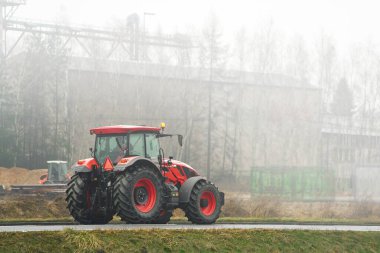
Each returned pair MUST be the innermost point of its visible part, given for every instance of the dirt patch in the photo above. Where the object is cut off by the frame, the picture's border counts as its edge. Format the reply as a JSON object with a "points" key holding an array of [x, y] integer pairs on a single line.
{"points": [[20, 176]]}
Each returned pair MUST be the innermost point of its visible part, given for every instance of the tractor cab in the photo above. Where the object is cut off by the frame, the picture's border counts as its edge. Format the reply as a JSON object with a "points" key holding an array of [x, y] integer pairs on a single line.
{"points": [[128, 141], [118, 146], [57, 173]]}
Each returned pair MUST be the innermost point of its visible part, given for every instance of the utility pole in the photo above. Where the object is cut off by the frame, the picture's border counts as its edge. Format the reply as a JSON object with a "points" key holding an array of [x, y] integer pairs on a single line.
{"points": [[209, 121], [2, 31], [2, 57], [133, 29], [144, 58], [144, 34]]}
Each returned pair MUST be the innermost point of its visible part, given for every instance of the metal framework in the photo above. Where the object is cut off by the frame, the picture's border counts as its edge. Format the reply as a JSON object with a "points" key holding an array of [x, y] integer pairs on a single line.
{"points": [[129, 39]]}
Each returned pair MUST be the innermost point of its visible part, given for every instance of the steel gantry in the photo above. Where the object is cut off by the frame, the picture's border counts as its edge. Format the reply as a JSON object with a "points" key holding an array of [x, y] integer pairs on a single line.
{"points": [[129, 38]]}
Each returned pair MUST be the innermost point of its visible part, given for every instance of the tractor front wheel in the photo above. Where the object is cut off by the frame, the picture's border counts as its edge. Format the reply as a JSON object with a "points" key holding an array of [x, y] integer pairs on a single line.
{"points": [[205, 203], [79, 198], [139, 195]]}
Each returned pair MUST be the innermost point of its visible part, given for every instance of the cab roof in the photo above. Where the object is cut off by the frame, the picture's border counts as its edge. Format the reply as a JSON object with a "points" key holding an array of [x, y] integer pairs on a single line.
{"points": [[56, 161], [121, 129]]}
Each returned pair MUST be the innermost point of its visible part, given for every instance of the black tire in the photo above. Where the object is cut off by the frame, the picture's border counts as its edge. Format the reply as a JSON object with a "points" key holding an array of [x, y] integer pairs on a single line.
{"points": [[164, 217], [193, 210], [77, 202], [126, 203]]}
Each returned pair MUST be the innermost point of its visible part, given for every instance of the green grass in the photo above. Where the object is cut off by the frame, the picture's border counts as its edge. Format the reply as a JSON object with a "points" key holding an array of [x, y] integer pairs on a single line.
{"points": [[285, 220], [191, 241]]}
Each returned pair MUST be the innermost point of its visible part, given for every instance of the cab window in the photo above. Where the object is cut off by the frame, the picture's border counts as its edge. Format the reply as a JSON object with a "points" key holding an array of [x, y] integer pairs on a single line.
{"points": [[112, 146], [152, 146], [136, 144]]}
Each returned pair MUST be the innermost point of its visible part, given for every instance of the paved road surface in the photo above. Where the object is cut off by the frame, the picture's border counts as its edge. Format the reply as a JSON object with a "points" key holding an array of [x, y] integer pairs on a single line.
{"points": [[28, 228]]}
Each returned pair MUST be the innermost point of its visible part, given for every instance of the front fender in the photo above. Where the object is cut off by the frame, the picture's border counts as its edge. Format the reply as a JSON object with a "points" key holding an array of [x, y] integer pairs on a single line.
{"points": [[185, 191]]}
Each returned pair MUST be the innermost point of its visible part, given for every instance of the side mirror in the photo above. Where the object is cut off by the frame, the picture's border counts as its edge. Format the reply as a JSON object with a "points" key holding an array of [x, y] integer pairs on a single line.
{"points": [[170, 160], [160, 156], [92, 152], [43, 177], [160, 160], [180, 138]]}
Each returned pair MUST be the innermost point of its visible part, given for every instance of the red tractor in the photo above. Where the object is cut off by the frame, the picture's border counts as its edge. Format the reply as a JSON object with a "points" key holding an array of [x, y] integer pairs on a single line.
{"points": [[129, 176]]}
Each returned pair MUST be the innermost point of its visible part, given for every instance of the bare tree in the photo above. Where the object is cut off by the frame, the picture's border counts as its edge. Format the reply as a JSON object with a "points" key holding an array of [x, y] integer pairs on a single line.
{"points": [[298, 60], [326, 66], [241, 53], [212, 56], [35, 78], [263, 48]]}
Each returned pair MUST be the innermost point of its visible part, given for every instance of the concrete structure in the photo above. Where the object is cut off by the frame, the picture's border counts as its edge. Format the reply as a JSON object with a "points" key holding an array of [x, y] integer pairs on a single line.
{"points": [[264, 119], [351, 149]]}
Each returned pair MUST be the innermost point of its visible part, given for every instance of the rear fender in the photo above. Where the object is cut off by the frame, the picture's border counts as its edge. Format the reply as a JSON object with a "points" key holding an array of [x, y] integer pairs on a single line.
{"points": [[185, 191], [85, 165], [127, 163]]}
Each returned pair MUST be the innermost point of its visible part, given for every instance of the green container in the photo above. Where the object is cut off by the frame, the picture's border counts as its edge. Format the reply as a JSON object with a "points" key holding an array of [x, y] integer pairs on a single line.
{"points": [[293, 183]]}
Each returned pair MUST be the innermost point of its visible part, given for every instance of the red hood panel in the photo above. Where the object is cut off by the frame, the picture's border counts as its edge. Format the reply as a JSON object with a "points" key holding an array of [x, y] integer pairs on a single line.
{"points": [[175, 162]]}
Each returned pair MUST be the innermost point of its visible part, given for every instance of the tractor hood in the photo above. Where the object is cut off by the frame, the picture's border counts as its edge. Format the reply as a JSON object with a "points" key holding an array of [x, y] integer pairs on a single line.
{"points": [[179, 163], [175, 162]]}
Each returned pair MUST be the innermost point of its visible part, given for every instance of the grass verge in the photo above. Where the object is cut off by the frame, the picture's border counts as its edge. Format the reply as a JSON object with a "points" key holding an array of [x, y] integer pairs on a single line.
{"points": [[191, 241]]}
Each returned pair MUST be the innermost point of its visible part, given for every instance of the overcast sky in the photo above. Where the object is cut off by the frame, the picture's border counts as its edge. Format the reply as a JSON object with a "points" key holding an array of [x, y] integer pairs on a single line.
{"points": [[349, 22]]}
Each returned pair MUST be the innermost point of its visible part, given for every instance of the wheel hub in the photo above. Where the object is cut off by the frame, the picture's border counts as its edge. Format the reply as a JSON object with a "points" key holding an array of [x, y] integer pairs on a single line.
{"points": [[144, 195], [207, 203], [141, 195], [204, 203]]}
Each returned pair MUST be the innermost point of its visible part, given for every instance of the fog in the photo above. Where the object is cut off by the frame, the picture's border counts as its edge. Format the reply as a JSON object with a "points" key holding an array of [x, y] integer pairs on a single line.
{"points": [[274, 98]]}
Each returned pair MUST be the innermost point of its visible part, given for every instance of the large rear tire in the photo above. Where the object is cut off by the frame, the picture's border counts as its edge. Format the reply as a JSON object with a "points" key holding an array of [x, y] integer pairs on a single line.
{"points": [[79, 195], [205, 203], [164, 217], [139, 195]]}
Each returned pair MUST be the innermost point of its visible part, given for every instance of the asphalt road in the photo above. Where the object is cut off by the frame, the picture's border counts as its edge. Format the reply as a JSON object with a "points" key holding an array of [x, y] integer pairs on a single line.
{"points": [[29, 228]]}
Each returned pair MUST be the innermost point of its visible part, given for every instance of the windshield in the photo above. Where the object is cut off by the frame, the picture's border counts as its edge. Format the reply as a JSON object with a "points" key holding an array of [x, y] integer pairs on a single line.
{"points": [[57, 172], [114, 146], [118, 146]]}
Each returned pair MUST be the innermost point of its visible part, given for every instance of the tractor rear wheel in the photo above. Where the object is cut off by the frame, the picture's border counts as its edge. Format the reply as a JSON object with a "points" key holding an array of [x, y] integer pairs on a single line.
{"points": [[164, 217], [79, 196], [139, 195], [205, 203]]}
